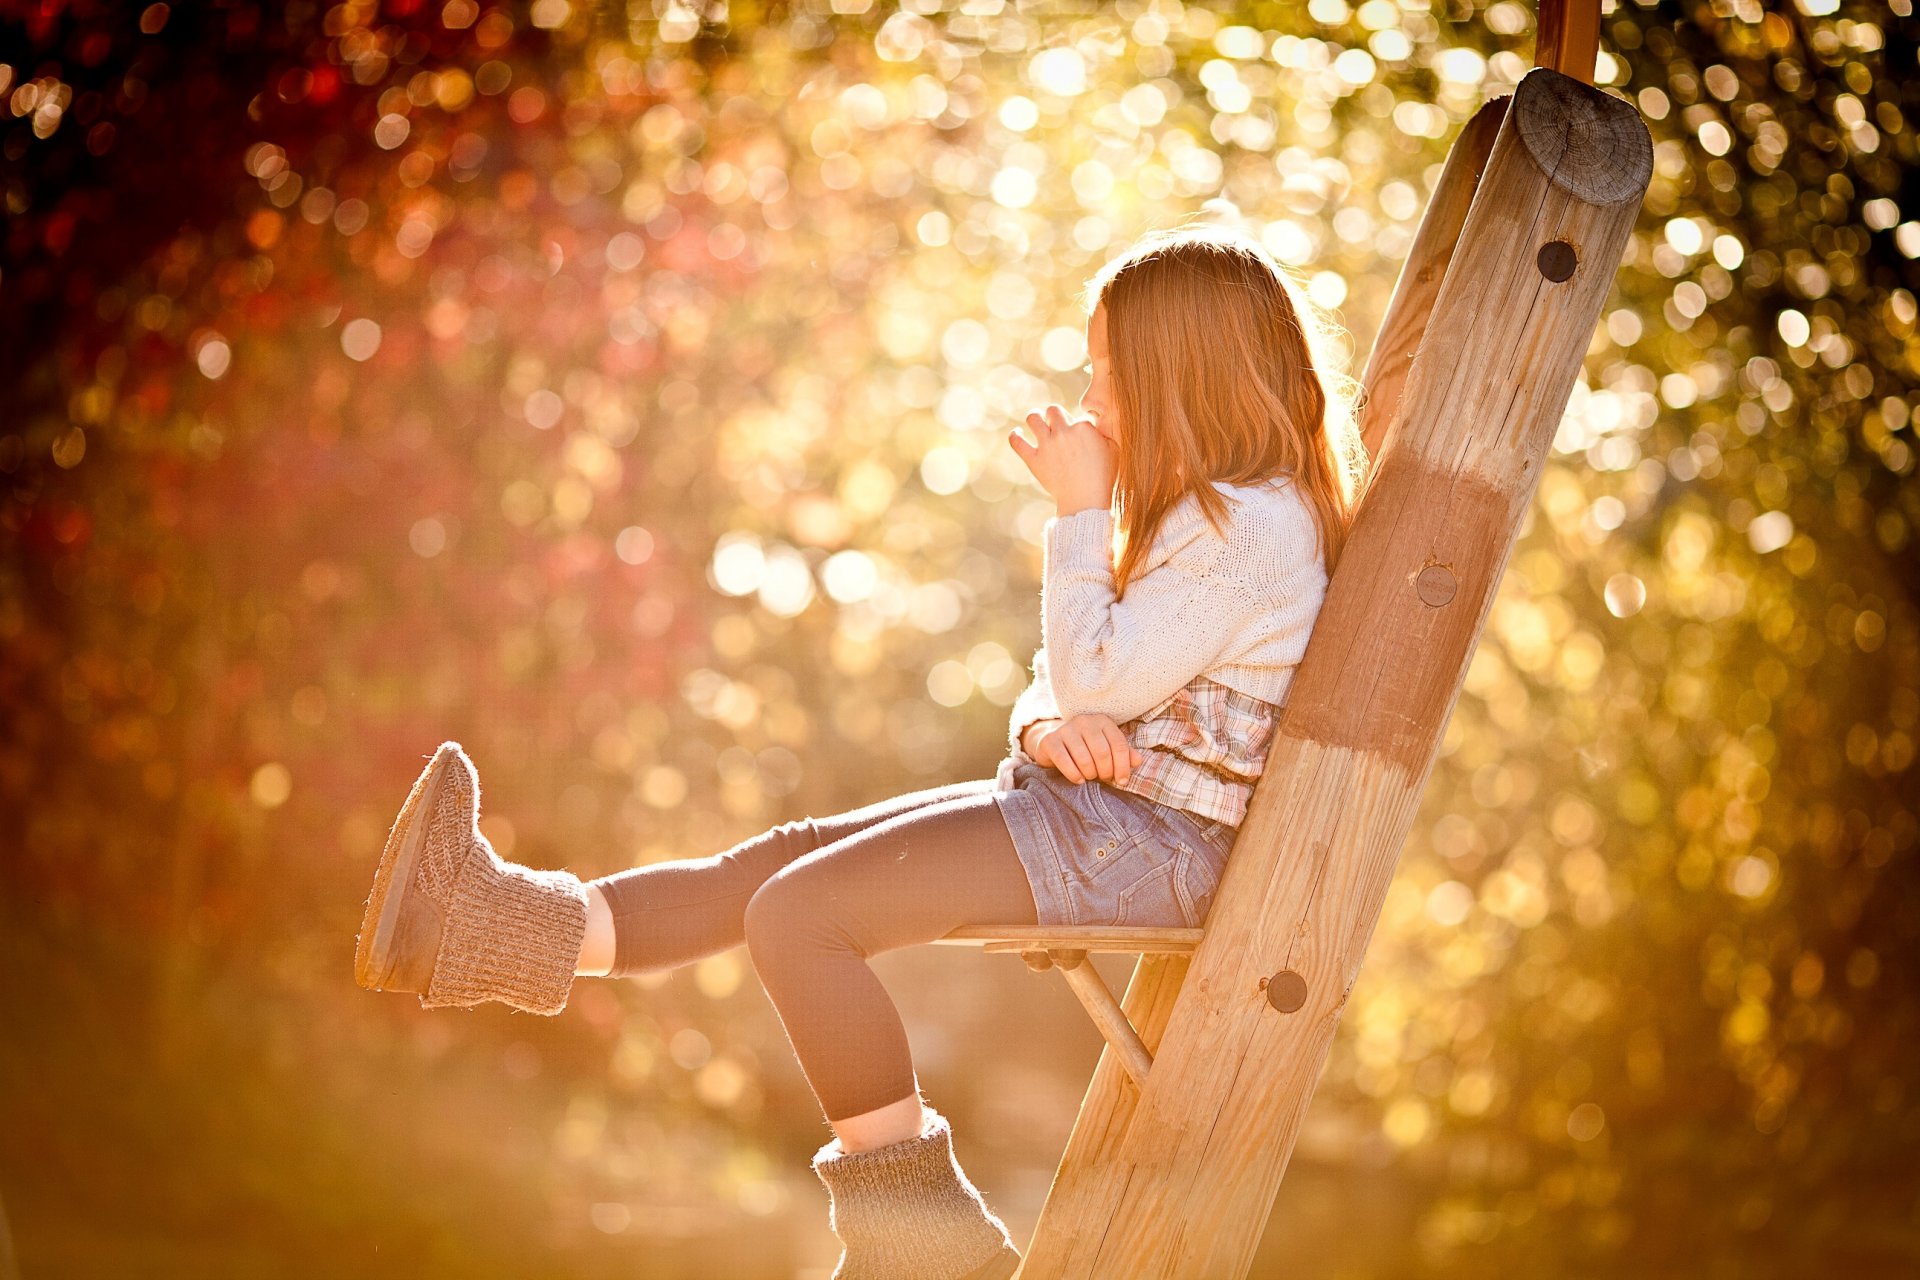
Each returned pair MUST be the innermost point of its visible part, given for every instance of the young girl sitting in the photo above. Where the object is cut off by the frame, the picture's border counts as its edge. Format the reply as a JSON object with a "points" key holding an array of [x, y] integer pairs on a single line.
{"points": [[1213, 455]]}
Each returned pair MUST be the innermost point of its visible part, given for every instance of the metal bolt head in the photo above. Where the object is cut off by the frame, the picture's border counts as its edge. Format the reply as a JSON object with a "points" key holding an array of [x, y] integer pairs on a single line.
{"points": [[1556, 260], [1286, 990], [1435, 585]]}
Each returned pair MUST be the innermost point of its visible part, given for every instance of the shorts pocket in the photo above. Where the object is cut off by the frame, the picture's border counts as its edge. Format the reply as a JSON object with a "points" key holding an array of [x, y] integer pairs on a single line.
{"points": [[1155, 898], [1126, 837]]}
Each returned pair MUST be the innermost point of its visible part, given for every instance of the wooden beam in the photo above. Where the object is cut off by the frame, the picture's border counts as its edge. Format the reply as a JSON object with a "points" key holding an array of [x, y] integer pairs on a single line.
{"points": [[1567, 38], [1179, 1185], [1126, 938], [1420, 275]]}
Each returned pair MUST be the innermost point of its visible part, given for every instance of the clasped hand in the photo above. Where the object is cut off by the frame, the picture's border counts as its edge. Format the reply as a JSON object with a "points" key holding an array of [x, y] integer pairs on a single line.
{"points": [[1085, 746], [1074, 461]]}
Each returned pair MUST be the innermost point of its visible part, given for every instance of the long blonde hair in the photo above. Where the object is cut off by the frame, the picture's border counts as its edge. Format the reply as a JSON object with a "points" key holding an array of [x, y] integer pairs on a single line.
{"points": [[1216, 354]]}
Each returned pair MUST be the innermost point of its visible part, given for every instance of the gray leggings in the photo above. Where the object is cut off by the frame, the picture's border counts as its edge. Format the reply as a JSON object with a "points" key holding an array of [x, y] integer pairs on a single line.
{"points": [[813, 899]]}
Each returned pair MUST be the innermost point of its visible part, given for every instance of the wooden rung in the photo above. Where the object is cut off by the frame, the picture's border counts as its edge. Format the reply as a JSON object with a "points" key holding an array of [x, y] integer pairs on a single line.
{"points": [[1134, 940]]}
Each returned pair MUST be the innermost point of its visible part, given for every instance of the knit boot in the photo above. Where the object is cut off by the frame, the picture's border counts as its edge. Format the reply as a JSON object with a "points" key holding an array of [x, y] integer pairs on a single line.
{"points": [[452, 920], [907, 1211]]}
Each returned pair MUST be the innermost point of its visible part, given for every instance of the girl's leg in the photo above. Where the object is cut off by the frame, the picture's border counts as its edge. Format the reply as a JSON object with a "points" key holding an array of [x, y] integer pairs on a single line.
{"points": [[813, 925], [667, 914]]}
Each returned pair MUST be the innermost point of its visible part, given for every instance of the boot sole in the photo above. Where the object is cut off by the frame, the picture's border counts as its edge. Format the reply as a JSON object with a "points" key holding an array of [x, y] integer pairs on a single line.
{"points": [[374, 954]]}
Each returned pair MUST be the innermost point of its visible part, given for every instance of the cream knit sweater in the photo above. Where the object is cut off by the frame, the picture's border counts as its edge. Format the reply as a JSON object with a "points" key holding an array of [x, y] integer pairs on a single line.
{"points": [[1236, 609]]}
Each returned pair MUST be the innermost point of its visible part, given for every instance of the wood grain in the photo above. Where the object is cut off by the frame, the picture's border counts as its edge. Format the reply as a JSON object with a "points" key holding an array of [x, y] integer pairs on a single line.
{"points": [[1026, 937], [1569, 38], [1422, 272]]}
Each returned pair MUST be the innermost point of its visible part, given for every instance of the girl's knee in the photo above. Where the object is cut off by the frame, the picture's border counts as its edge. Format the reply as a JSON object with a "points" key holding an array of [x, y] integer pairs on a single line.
{"points": [[766, 913], [788, 913]]}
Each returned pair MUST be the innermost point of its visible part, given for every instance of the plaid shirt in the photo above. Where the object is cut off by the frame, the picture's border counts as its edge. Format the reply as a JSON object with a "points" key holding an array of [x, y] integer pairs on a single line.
{"points": [[1202, 750]]}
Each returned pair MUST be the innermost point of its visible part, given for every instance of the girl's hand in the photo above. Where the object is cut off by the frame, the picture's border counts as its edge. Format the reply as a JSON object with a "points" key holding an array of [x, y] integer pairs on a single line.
{"points": [[1088, 745], [1073, 461]]}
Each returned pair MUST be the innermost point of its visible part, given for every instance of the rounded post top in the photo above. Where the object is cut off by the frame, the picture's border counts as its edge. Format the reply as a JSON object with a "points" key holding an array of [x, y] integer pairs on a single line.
{"points": [[1587, 141]]}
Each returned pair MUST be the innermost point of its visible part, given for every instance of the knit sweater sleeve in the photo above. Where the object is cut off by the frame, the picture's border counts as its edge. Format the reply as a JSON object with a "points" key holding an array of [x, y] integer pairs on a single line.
{"points": [[1034, 703], [1122, 658]]}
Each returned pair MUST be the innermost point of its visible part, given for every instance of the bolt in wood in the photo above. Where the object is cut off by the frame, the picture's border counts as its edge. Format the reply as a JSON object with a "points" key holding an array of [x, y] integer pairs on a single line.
{"points": [[1556, 260], [1286, 990], [1435, 585]]}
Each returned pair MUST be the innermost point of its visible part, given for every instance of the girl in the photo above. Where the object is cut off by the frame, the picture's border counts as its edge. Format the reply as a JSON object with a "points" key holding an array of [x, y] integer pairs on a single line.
{"points": [[1212, 452]]}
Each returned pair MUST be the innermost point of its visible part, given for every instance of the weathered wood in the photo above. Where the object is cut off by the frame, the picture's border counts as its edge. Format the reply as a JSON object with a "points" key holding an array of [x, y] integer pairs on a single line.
{"points": [[1023, 938], [1179, 1182], [1069, 1228], [1422, 272], [1567, 37]]}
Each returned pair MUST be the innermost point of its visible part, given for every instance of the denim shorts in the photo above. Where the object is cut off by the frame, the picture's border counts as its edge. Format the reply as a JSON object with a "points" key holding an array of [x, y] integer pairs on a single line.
{"points": [[1097, 854]]}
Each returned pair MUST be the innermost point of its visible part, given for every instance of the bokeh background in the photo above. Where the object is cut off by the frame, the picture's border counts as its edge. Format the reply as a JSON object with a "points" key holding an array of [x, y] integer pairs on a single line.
{"points": [[622, 392]]}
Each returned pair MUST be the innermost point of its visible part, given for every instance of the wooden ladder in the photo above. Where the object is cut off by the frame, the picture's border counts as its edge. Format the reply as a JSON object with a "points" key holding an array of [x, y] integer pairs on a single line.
{"points": [[1212, 1054]]}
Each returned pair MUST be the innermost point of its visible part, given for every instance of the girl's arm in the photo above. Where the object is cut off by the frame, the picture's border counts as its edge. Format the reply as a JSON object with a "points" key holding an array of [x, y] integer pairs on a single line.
{"points": [[1123, 658], [1035, 716], [1034, 703]]}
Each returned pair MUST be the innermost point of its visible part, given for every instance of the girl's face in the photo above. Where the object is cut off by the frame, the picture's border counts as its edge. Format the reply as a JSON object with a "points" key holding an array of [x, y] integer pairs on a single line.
{"points": [[1097, 402]]}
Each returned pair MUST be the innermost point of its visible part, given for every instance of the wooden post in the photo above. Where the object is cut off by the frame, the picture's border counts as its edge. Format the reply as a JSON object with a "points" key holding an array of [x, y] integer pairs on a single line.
{"points": [[1420, 275], [1567, 37], [1175, 1181]]}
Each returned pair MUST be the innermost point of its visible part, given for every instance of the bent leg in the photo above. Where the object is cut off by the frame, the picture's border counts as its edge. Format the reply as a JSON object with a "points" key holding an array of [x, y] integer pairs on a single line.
{"points": [[668, 914], [902, 881]]}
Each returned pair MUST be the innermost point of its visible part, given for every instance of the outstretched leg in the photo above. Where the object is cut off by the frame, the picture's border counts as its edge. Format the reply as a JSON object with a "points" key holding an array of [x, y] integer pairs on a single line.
{"points": [[451, 920], [658, 917]]}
